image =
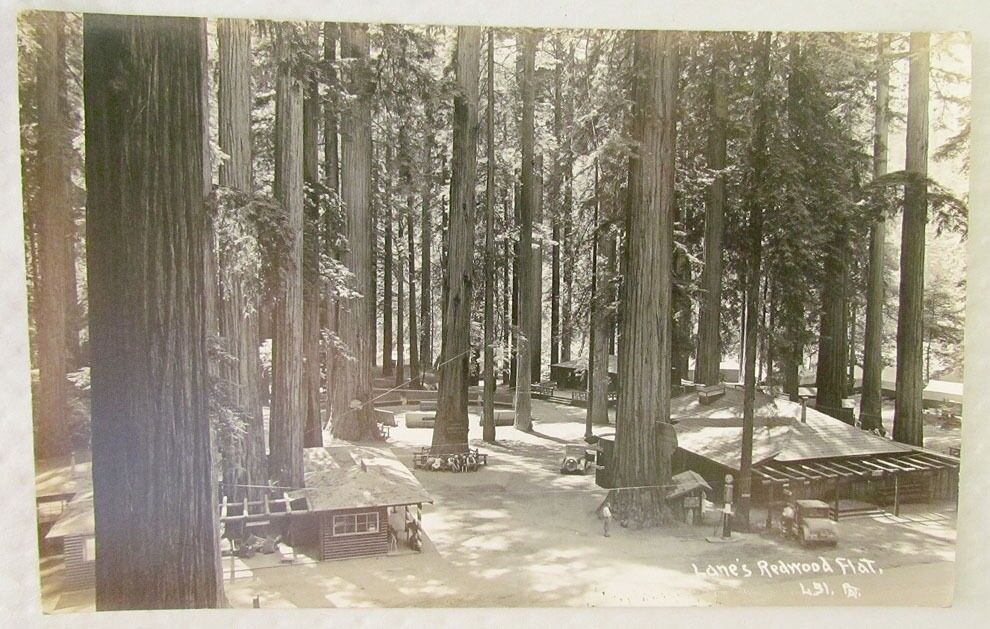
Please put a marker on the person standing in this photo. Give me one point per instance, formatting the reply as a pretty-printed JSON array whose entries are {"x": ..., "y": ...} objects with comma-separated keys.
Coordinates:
[{"x": 606, "y": 518}]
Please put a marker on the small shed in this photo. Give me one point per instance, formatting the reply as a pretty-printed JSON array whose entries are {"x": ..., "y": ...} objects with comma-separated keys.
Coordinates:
[
  {"x": 573, "y": 374},
  {"x": 350, "y": 492},
  {"x": 686, "y": 495}
]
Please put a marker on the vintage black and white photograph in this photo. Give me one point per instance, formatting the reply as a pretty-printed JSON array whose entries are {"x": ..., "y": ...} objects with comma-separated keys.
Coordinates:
[{"x": 327, "y": 314}]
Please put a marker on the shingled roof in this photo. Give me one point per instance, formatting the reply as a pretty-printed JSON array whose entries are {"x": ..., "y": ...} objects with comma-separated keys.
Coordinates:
[
  {"x": 76, "y": 519},
  {"x": 581, "y": 364},
  {"x": 714, "y": 431},
  {"x": 351, "y": 477}
]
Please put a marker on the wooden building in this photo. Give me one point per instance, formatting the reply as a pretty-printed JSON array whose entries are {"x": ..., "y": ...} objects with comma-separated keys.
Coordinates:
[
  {"x": 686, "y": 496},
  {"x": 350, "y": 492},
  {"x": 573, "y": 374},
  {"x": 57, "y": 481},
  {"x": 806, "y": 452},
  {"x": 76, "y": 529},
  {"x": 943, "y": 393}
]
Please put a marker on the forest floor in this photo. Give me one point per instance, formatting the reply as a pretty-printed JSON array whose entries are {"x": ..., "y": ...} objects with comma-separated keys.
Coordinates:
[{"x": 518, "y": 533}]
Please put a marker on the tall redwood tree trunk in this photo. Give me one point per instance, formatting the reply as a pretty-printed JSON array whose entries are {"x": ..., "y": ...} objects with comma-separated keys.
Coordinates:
[
  {"x": 356, "y": 323},
  {"x": 337, "y": 401},
  {"x": 407, "y": 182},
  {"x": 153, "y": 487},
  {"x": 536, "y": 294},
  {"x": 871, "y": 405},
  {"x": 400, "y": 305},
  {"x": 908, "y": 414},
  {"x": 425, "y": 263},
  {"x": 525, "y": 335},
  {"x": 451, "y": 426},
  {"x": 313, "y": 432},
  {"x": 710, "y": 311},
  {"x": 387, "y": 365},
  {"x": 488, "y": 412},
  {"x": 830, "y": 377},
  {"x": 643, "y": 433},
  {"x": 54, "y": 216},
  {"x": 792, "y": 291},
  {"x": 601, "y": 318},
  {"x": 239, "y": 303},
  {"x": 756, "y": 197},
  {"x": 287, "y": 419},
  {"x": 556, "y": 206},
  {"x": 508, "y": 257}
]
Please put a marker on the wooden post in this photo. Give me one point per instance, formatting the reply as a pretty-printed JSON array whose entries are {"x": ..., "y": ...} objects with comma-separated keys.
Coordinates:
[
  {"x": 897, "y": 498},
  {"x": 726, "y": 507},
  {"x": 288, "y": 521},
  {"x": 769, "y": 525},
  {"x": 836, "y": 500}
]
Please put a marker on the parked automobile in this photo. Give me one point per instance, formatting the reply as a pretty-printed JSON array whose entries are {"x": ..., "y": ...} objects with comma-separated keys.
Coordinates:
[
  {"x": 809, "y": 522},
  {"x": 577, "y": 459}
]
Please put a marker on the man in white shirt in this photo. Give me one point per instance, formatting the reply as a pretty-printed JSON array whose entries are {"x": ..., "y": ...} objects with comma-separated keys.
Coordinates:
[{"x": 606, "y": 517}]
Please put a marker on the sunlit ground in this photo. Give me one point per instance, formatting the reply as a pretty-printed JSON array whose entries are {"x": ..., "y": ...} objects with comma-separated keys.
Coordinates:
[{"x": 518, "y": 533}]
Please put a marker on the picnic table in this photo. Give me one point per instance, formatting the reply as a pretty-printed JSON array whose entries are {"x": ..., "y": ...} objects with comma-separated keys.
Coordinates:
[
  {"x": 446, "y": 453},
  {"x": 710, "y": 393},
  {"x": 544, "y": 389}
]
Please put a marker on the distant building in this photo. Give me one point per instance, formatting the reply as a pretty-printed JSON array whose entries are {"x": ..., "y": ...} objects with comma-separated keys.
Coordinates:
[
  {"x": 813, "y": 454},
  {"x": 573, "y": 374},
  {"x": 943, "y": 392},
  {"x": 946, "y": 391}
]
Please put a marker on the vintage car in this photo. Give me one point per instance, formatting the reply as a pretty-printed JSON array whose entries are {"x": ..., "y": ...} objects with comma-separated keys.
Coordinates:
[
  {"x": 577, "y": 459},
  {"x": 809, "y": 522}
]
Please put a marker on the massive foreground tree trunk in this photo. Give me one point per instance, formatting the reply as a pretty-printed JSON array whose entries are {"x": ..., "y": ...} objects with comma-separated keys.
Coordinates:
[
  {"x": 871, "y": 405},
  {"x": 239, "y": 302},
  {"x": 525, "y": 334},
  {"x": 451, "y": 426},
  {"x": 908, "y": 417},
  {"x": 356, "y": 330},
  {"x": 54, "y": 219},
  {"x": 709, "y": 316},
  {"x": 643, "y": 432},
  {"x": 153, "y": 490},
  {"x": 285, "y": 435}
]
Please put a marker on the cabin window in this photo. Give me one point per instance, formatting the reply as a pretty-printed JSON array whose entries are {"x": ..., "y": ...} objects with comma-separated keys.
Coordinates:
[
  {"x": 89, "y": 549},
  {"x": 355, "y": 523}
]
